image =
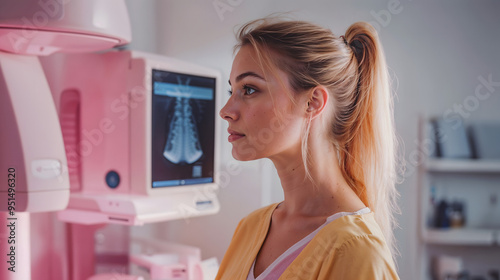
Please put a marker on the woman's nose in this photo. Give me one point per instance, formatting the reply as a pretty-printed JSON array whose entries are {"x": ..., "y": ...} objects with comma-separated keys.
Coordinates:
[{"x": 229, "y": 111}]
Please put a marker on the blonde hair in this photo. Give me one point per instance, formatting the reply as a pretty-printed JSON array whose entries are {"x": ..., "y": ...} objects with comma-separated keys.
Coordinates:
[{"x": 353, "y": 69}]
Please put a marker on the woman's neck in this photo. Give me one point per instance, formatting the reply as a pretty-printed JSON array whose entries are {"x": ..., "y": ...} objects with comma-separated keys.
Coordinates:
[{"x": 326, "y": 194}]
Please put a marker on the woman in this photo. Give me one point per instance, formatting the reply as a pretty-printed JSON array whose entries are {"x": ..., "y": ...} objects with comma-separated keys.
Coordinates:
[{"x": 320, "y": 108}]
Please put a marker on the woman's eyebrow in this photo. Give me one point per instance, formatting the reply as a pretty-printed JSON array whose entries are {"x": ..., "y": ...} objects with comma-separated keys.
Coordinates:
[{"x": 248, "y": 74}]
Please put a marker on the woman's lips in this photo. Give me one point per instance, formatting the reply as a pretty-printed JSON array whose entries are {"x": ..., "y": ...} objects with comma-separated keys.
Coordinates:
[{"x": 234, "y": 135}]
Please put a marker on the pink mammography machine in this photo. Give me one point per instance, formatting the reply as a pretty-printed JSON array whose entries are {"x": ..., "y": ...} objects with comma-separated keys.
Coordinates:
[
  {"x": 31, "y": 145},
  {"x": 112, "y": 137}
]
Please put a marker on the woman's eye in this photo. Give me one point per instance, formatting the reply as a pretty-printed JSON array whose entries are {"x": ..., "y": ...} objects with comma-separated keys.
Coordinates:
[
  {"x": 230, "y": 92},
  {"x": 248, "y": 90}
]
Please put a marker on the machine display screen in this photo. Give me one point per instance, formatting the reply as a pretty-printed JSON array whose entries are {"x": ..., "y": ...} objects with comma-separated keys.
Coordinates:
[{"x": 183, "y": 129}]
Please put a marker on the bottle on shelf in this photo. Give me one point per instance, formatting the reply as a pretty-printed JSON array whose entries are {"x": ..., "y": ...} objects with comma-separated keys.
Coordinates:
[
  {"x": 443, "y": 214},
  {"x": 457, "y": 214},
  {"x": 431, "y": 210}
]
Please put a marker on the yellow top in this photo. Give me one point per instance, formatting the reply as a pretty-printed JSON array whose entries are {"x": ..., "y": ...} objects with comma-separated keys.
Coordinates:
[{"x": 349, "y": 247}]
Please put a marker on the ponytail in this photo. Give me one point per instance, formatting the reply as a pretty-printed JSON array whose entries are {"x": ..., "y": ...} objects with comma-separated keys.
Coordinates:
[{"x": 368, "y": 153}]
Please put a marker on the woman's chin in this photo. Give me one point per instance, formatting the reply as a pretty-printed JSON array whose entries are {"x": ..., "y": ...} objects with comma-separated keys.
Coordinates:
[{"x": 244, "y": 154}]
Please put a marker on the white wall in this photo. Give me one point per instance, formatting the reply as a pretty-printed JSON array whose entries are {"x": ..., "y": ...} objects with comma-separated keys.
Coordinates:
[{"x": 436, "y": 52}]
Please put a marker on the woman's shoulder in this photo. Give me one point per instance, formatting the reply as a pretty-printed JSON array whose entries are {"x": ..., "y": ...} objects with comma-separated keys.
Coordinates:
[
  {"x": 351, "y": 229},
  {"x": 359, "y": 239},
  {"x": 349, "y": 247}
]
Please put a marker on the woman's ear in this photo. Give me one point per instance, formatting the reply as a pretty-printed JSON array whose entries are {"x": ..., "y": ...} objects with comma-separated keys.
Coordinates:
[{"x": 318, "y": 98}]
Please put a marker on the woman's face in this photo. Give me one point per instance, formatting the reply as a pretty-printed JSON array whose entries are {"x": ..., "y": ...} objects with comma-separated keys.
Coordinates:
[{"x": 263, "y": 121}]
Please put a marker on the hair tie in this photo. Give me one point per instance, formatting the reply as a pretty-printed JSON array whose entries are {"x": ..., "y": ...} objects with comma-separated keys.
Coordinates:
[{"x": 343, "y": 38}]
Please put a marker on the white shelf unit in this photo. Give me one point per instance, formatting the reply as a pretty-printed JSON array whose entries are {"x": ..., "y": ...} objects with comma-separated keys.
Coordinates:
[
  {"x": 461, "y": 236},
  {"x": 475, "y": 243},
  {"x": 463, "y": 165}
]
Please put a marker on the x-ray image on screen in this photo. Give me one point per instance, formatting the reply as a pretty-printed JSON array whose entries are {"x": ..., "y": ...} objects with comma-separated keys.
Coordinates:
[
  {"x": 183, "y": 143},
  {"x": 183, "y": 127}
]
